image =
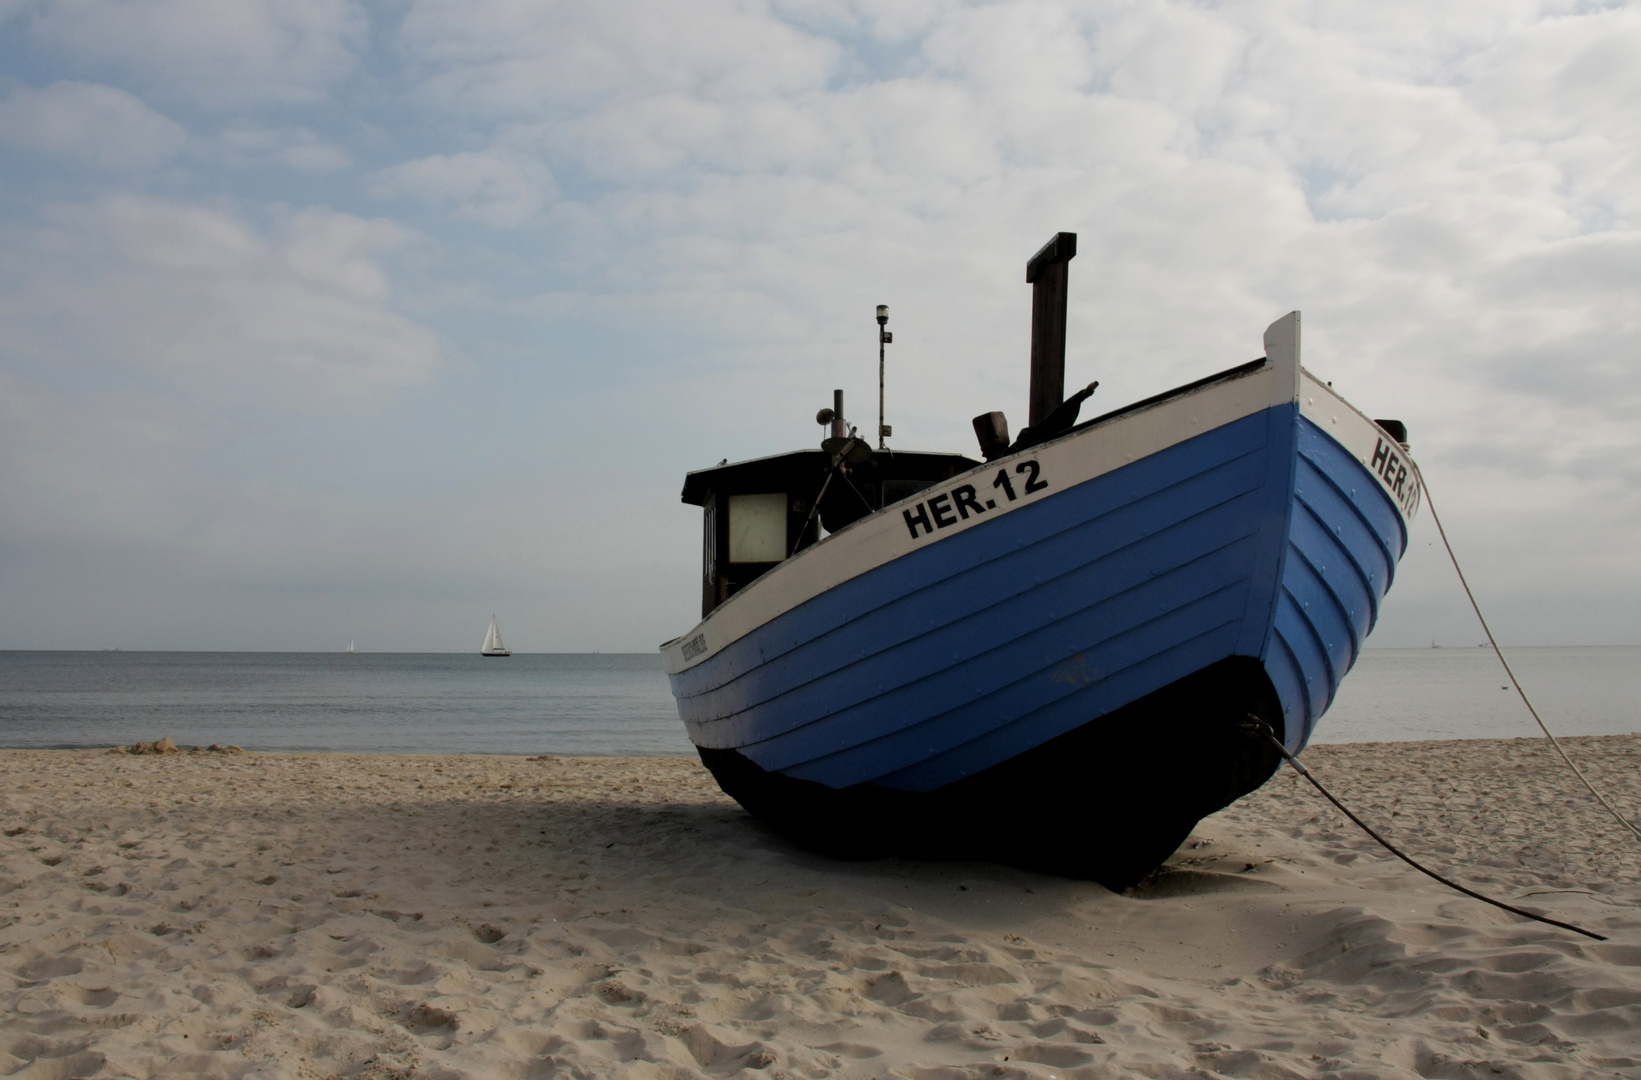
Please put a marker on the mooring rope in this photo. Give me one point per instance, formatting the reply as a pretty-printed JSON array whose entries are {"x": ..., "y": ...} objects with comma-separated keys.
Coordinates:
[
  {"x": 1618, "y": 817},
  {"x": 1259, "y": 727}
]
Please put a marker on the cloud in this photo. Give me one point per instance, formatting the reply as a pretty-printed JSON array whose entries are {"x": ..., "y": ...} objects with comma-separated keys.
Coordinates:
[
  {"x": 496, "y": 189},
  {"x": 214, "y": 54},
  {"x": 1569, "y": 87},
  {"x": 168, "y": 371},
  {"x": 525, "y": 59},
  {"x": 315, "y": 157},
  {"x": 101, "y": 126},
  {"x": 246, "y": 145},
  {"x": 295, "y": 314}
]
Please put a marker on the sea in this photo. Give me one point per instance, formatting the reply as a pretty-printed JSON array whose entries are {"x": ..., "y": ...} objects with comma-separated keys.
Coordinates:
[{"x": 605, "y": 704}]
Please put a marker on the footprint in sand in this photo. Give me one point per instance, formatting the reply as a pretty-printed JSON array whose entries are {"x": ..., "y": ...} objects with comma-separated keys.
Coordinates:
[{"x": 92, "y": 998}]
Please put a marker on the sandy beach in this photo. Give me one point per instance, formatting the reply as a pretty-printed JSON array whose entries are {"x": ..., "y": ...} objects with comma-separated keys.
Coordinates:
[{"x": 332, "y": 915}]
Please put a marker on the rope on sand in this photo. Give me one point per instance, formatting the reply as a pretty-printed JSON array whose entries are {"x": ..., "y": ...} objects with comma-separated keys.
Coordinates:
[
  {"x": 1256, "y": 726},
  {"x": 1620, "y": 818}
]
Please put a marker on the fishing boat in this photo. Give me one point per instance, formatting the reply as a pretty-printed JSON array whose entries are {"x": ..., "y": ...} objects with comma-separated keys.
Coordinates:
[
  {"x": 492, "y": 642},
  {"x": 1050, "y": 657}
]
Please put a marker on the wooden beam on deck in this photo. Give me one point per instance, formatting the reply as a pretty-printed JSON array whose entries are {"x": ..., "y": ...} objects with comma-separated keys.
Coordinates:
[{"x": 1046, "y": 273}]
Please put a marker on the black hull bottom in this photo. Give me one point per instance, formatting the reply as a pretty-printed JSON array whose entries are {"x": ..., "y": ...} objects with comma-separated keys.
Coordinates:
[{"x": 1107, "y": 802}]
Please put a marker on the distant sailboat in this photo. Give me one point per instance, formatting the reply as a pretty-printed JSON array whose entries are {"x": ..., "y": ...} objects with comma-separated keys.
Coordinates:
[
  {"x": 350, "y": 646},
  {"x": 492, "y": 642}
]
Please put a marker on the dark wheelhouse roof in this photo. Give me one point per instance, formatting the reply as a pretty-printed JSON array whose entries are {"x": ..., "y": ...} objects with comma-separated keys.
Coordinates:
[{"x": 775, "y": 473}]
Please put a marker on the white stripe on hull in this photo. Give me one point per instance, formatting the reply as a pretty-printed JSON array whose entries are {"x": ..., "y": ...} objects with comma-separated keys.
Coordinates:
[{"x": 1369, "y": 443}]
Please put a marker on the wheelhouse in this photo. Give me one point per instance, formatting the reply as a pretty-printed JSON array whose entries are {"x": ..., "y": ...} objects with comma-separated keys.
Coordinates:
[{"x": 758, "y": 513}]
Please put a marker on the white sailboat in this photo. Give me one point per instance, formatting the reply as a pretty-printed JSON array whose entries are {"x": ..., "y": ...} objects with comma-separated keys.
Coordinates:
[
  {"x": 350, "y": 645},
  {"x": 492, "y": 642}
]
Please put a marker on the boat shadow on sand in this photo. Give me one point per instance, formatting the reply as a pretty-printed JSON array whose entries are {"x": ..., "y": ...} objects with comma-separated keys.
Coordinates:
[{"x": 523, "y": 844}]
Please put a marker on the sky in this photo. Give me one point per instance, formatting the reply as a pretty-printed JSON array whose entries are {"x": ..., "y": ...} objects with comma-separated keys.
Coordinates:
[{"x": 324, "y": 320}]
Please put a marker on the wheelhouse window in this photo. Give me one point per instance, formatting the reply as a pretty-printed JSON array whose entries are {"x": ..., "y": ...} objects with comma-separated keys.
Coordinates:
[{"x": 757, "y": 528}]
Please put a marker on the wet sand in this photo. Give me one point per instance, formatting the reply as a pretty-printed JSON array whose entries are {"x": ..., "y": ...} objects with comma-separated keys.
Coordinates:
[{"x": 320, "y": 915}]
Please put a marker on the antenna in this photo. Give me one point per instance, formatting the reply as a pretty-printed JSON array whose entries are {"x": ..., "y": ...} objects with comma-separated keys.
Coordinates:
[{"x": 884, "y": 337}]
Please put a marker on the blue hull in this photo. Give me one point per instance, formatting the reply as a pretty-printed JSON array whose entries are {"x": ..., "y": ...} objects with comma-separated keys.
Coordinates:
[
  {"x": 1263, "y": 538},
  {"x": 1142, "y": 613}
]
